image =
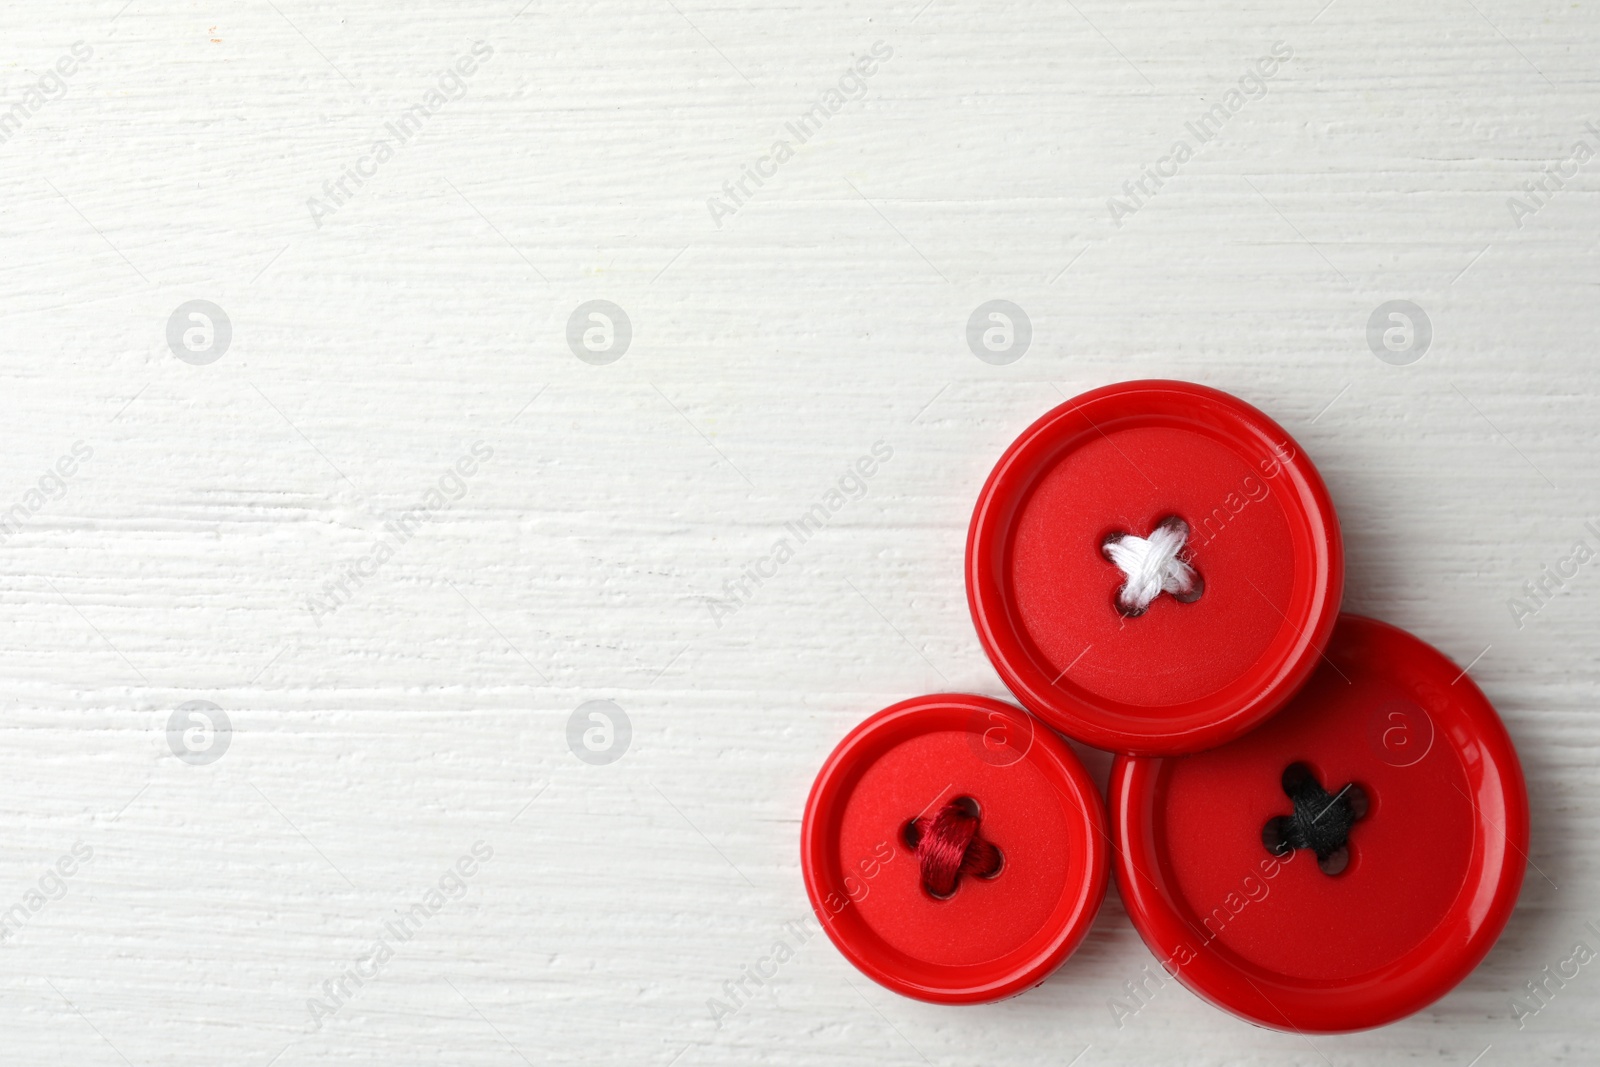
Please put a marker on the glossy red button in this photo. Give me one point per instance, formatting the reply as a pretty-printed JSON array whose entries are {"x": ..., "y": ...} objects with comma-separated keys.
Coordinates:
[
  {"x": 1432, "y": 864},
  {"x": 993, "y": 936},
  {"x": 1262, "y": 537}
]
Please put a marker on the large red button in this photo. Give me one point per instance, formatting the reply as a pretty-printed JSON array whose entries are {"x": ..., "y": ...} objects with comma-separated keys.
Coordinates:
[
  {"x": 1032, "y": 824},
  {"x": 1342, "y": 866},
  {"x": 1251, "y": 595}
]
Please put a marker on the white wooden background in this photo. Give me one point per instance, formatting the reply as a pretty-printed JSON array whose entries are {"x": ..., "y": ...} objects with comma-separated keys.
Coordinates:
[{"x": 372, "y": 746}]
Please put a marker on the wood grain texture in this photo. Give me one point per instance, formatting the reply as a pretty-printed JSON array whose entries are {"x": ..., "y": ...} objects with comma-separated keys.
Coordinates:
[{"x": 374, "y": 345}]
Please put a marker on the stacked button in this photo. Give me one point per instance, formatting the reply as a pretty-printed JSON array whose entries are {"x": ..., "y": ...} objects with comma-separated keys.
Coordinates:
[
  {"x": 1252, "y": 591},
  {"x": 954, "y": 849},
  {"x": 1319, "y": 821},
  {"x": 1343, "y": 865}
]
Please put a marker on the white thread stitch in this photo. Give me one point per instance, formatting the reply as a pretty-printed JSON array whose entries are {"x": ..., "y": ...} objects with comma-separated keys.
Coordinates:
[{"x": 1152, "y": 566}]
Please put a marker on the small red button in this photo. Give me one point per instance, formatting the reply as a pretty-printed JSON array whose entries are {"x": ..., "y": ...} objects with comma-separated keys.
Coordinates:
[
  {"x": 1008, "y": 791},
  {"x": 1342, "y": 866},
  {"x": 1237, "y": 617}
]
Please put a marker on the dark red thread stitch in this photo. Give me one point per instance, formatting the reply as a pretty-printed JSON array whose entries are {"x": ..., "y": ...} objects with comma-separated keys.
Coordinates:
[{"x": 948, "y": 846}]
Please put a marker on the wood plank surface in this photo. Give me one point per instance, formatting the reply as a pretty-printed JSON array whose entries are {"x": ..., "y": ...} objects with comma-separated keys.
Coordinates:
[{"x": 395, "y": 533}]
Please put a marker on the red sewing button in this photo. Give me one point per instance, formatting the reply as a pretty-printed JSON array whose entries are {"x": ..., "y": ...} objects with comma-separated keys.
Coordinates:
[
  {"x": 961, "y": 773},
  {"x": 1243, "y": 567},
  {"x": 1345, "y": 864}
]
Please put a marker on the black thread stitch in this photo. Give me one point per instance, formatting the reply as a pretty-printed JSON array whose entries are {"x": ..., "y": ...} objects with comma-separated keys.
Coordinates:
[{"x": 1320, "y": 822}]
